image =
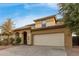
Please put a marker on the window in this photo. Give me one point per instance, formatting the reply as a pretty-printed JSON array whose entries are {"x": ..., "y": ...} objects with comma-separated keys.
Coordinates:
[
  {"x": 43, "y": 24},
  {"x": 17, "y": 34},
  {"x": 33, "y": 26}
]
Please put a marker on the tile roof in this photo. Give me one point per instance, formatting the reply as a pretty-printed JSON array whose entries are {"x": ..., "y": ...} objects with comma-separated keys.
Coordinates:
[
  {"x": 21, "y": 28},
  {"x": 50, "y": 27},
  {"x": 44, "y": 18}
]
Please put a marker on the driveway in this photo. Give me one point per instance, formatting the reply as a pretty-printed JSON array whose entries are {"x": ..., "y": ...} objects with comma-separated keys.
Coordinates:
[
  {"x": 24, "y": 50},
  {"x": 73, "y": 52}
]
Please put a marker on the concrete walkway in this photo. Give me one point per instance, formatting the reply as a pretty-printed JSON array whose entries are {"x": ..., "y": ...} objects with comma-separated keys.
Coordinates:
[{"x": 24, "y": 50}]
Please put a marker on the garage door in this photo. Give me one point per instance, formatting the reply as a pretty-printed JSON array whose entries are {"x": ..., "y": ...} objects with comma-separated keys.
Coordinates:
[{"x": 49, "y": 39}]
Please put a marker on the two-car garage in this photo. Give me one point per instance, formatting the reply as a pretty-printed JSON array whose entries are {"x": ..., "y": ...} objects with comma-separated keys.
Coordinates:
[
  {"x": 56, "y": 39},
  {"x": 57, "y": 36}
]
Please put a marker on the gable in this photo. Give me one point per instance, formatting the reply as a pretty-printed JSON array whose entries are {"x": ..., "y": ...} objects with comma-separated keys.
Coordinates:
[{"x": 48, "y": 20}]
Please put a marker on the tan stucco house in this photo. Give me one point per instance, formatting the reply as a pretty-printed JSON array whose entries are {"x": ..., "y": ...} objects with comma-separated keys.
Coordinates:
[{"x": 45, "y": 31}]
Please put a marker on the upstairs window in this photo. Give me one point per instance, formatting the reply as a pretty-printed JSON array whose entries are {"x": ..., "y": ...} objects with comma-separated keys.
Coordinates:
[
  {"x": 43, "y": 24},
  {"x": 17, "y": 34},
  {"x": 33, "y": 26}
]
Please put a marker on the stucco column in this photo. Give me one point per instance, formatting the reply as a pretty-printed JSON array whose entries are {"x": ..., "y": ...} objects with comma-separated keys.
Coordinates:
[
  {"x": 21, "y": 36},
  {"x": 29, "y": 39},
  {"x": 14, "y": 36},
  {"x": 68, "y": 39}
]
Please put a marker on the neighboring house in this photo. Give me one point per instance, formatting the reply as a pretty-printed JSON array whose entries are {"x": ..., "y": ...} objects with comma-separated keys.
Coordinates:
[{"x": 45, "y": 32}]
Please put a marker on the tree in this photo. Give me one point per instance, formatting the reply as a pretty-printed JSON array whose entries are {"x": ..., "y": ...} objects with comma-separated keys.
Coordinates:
[
  {"x": 7, "y": 28},
  {"x": 70, "y": 13}
]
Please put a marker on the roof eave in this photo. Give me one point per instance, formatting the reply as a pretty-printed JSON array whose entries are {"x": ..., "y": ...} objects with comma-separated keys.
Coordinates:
[
  {"x": 50, "y": 27},
  {"x": 44, "y": 18}
]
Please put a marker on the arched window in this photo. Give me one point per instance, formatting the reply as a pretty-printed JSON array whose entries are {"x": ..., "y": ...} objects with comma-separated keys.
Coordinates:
[{"x": 17, "y": 34}]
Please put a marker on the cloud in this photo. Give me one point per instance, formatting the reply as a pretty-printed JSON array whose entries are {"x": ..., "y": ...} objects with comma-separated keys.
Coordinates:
[
  {"x": 59, "y": 16},
  {"x": 8, "y": 4},
  {"x": 25, "y": 20},
  {"x": 52, "y": 5},
  {"x": 22, "y": 21},
  {"x": 29, "y": 5},
  {"x": 49, "y": 5}
]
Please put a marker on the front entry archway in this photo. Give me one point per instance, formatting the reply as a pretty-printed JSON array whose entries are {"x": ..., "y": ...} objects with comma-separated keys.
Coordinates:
[{"x": 25, "y": 37}]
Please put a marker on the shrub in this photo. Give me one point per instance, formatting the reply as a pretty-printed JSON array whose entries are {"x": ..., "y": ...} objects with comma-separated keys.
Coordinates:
[
  {"x": 12, "y": 40},
  {"x": 5, "y": 42},
  {"x": 18, "y": 40},
  {"x": 0, "y": 42}
]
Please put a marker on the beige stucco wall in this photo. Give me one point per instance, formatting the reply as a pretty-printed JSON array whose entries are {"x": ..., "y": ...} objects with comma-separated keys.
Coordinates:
[
  {"x": 38, "y": 24},
  {"x": 28, "y": 36},
  {"x": 49, "y": 22},
  {"x": 31, "y": 33},
  {"x": 68, "y": 38}
]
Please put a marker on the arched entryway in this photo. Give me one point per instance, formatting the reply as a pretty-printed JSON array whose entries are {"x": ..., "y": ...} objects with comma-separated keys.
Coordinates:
[{"x": 25, "y": 37}]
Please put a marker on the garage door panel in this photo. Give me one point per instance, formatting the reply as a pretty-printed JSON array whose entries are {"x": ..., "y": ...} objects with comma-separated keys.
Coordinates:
[{"x": 49, "y": 39}]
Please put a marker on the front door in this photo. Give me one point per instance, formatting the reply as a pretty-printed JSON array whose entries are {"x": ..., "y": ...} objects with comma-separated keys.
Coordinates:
[{"x": 25, "y": 37}]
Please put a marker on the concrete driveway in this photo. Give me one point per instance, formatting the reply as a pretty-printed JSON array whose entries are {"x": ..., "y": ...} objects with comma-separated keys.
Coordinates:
[
  {"x": 24, "y": 50},
  {"x": 73, "y": 52}
]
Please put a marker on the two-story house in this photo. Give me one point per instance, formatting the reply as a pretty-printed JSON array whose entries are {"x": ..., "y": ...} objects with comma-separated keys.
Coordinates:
[{"x": 45, "y": 32}]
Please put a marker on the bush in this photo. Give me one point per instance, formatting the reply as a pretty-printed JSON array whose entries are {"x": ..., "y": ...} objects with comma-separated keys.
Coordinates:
[
  {"x": 18, "y": 40},
  {"x": 12, "y": 41},
  {"x": 5, "y": 42},
  {"x": 0, "y": 42}
]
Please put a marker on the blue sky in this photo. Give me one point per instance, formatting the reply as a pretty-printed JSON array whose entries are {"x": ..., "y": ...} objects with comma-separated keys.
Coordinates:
[{"x": 23, "y": 14}]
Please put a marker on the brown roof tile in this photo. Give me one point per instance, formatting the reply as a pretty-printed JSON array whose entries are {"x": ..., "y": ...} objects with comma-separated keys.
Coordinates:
[
  {"x": 44, "y": 18},
  {"x": 50, "y": 27}
]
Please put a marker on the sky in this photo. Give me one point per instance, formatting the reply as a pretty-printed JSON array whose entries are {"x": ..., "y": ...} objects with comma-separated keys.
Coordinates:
[{"x": 23, "y": 14}]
